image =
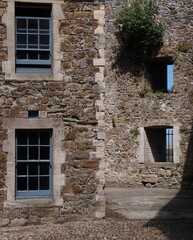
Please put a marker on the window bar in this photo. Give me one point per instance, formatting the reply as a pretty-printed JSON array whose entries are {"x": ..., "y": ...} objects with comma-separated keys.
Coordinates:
[
  {"x": 169, "y": 145},
  {"x": 38, "y": 21}
]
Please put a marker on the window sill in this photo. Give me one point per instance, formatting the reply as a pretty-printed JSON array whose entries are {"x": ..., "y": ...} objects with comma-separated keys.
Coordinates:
[
  {"x": 35, "y": 76},
  {"x": 46, "y": 202},
  {"x": 162, "y": 164}
]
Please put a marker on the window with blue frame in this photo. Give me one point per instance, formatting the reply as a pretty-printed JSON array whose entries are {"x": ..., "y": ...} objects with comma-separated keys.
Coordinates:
[
  {"x": 33, "y": 163},
  {"x": 33, "y": 38}
]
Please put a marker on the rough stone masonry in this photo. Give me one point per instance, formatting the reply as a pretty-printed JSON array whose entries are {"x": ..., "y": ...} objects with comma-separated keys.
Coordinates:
[{"x": 99, "y": 111}]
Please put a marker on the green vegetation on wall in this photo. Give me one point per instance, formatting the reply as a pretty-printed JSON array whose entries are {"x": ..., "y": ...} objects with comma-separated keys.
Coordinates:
[{"x": 139, "y": 27}]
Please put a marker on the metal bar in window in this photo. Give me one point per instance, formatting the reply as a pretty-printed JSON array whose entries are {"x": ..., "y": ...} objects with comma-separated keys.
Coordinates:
[{"x": 169, "y": 145}]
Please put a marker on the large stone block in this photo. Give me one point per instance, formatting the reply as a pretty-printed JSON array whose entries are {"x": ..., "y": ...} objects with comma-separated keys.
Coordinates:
[
  {"x": 90, "y": 163},
  {"x": 151, "y": 178}
]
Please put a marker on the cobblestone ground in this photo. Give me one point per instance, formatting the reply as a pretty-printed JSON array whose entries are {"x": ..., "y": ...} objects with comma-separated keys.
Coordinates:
[{"x": 104, "y": 230}]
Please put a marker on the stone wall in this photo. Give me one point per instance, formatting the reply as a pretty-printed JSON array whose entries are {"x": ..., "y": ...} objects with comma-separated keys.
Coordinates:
[
  {"x": 76, "y": 101},
  {"x": 128, "y": 109},
  {"x": 103, "y": 101}
]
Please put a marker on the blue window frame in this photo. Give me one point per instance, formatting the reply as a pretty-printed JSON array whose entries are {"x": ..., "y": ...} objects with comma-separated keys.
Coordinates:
[
  {"x": 33, "y": 163},
  {"x": 33, "y": 38},
  {"x": 170, "y": 77}
]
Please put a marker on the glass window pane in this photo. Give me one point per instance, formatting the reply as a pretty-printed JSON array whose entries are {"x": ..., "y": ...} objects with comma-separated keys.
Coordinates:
[
  {"x": 44, "y": 24},
  {"x": 21, "y": 23},
  {"x": 44, "y": 55},
  {"x": 44, "y": 183},
  {"x": 33, "y": 41},
  {"x": 21, "y": 183},
  {"x": 21, "y": 169},
  {"x": 21, "y": 55},
  {"x": 33, "y": 153},
  {"x": 21, "y": 153},
  {"x": 21, "y": 40},
  {"x": 45, "y": 138},
  {"x": 44, "y": 168},
  {"x": 33, "y": 55},
  {"x": 44, "y": 153},
  {"x": 22, "y": 138},
  {"x": 33, "y": 138},
  {"x": 33, "y": 25},
  {"x": 33, "y": 168},
  {"x": 33, "y": 183},
  {"x": 44, "y": 40}
]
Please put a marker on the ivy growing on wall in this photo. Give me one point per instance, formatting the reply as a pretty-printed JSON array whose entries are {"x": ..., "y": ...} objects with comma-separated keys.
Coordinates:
[{"x": 139, "y": 27}]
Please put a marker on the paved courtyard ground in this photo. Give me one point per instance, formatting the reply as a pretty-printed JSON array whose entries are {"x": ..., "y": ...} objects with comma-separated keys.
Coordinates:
[{"x": 131, "y": 214}]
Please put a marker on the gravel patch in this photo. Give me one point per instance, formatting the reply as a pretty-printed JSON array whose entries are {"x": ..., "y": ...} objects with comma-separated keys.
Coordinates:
[{"x": 104, "y": 230}]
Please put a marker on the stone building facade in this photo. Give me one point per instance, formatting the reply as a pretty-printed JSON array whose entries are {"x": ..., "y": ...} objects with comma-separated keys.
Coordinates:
[
  {"x": 65, "y": 178},
  {"x": 75, "y": 117},
  {"x": 138, "y": 112}
]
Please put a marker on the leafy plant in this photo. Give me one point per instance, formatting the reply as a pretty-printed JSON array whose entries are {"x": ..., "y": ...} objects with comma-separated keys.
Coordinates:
[
  {"x": 139, "y": 28},
  {"x": 183, "y": 47}
]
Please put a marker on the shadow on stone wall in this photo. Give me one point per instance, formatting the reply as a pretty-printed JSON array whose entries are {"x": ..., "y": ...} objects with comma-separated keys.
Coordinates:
[
  {"x": 180, "y": 207},
  {"x": 128, "y": 61}
]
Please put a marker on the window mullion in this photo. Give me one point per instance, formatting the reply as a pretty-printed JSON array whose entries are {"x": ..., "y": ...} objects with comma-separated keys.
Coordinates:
[
  {"x": 27, "y": 161},
  {"x": 16, "y": 154},
  {"x": 50, "y": 163},
  {"x": 39, "y": 161},
  {"x": 38, "y": 38},
  {"x": 27, "y": 37}
]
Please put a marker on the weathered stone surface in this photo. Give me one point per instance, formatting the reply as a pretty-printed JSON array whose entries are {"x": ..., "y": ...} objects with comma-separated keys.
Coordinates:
[
  {"x": 81, "y": 154},
  {"x": 18, "y": 222},
  {"x": 152, "y": 178},
  {"x": 125, "y": 109},
  {"x": 71, "y": 136},
  {"x": 70, "y": 99},
  {"x": 90, "y": 163},
  {"x": 5, "y": 222}
]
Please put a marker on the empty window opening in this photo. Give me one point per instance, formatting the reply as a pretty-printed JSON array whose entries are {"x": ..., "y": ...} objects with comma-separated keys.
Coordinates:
[
  {"x": 161, "y": 74},
  {"x": 33, "y": 163},
  {"x": 159, "y": 144},
  {"x": 33, "y": 38},
  {"x": 33, "y": 114}
]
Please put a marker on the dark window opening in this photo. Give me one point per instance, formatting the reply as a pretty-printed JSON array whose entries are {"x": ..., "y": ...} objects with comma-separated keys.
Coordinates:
[
  {"x": 160, "y": 74},
  {"x": 159, "y": 144},
  {"x": 33, "y": 38},
  {"x": 33, "y": 163},
  {"x": 33, "y": 114}
]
